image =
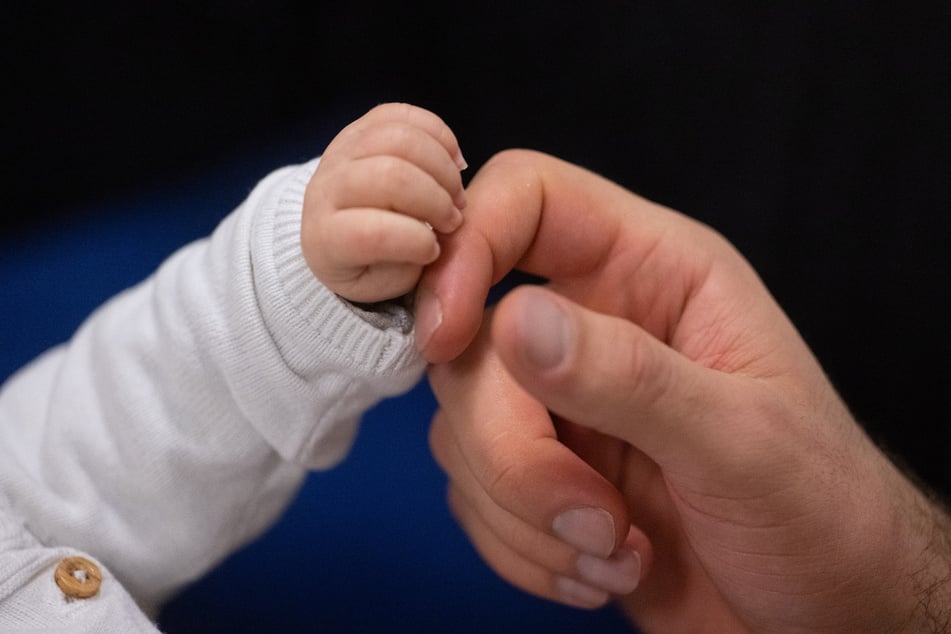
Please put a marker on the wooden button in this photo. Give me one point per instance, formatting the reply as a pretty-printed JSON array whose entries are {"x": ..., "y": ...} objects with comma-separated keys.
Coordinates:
[{"x": 78, "y": 578}]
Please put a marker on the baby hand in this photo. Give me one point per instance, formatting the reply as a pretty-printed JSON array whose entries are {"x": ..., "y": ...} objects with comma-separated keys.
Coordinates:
[{"x": 383, "y": 188}]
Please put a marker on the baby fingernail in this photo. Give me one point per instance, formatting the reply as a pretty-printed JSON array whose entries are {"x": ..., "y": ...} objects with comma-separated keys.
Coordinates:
[
  {"x": 460, "y": 160},
  {"x": 580, "y": 595},
  {"x": 619, "y": 574},
  {"x": 590, "y": 530}
]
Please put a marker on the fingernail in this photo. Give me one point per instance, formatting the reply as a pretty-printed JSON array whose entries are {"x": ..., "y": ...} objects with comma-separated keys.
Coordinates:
[
  {"x": 579, "y": 595},
  {"x": 460, "y": 160},
  {"x": 590, "y": 530},
  {"x": 545, "y": 333},
  {"x": 428, "y": 317},
  {"x": 618, "y": 574}
]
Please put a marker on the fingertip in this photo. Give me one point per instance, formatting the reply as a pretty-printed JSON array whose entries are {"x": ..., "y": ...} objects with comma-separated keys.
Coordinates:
[
  {"x": 439, "y": 342},
  {"x": 429, "y": 318},
  {"x": 451, "y": 299},
  {"x": 460, "y": 160},
  {"x": 459, "y": 198},
  {"x": 434, "y": 252},
  {"x": 455, "y": 220},
  {"x": 576, "y": 594},
  {"x": 618, "y": 574},
  {"x": 533, "y": 330},
  {"x": 637, "y": 542},
  {"x": 443, "y": 329},
  {"x": 589, "y": 529}
]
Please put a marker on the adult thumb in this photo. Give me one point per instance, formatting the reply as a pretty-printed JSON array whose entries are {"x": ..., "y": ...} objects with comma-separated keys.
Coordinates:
[{"x": 608, "y": 374}]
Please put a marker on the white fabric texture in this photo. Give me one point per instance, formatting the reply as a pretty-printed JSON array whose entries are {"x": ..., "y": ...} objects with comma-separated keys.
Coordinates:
[{"x": 181, "y": 418}]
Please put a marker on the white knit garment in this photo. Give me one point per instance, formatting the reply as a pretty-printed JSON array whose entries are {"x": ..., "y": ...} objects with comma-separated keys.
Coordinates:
[{"x": 180, "y": 420}]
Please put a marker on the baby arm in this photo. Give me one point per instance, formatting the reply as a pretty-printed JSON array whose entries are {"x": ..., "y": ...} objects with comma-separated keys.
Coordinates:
[
  {"x": 382, "y": 190},
  {"x": 178, "y": 422}
]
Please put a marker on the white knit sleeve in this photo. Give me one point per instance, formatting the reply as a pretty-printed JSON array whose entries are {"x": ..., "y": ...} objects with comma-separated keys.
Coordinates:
[
  {"x": 334, "y": 364},
  {"x": 181, "y": 418}
]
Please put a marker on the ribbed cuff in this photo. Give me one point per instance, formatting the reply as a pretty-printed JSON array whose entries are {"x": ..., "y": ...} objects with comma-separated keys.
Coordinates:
[{"x": 379, "y": 340}]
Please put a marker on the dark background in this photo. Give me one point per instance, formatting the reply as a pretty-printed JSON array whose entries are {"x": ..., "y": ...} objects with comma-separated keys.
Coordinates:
[{"x": 813, "y": 135}]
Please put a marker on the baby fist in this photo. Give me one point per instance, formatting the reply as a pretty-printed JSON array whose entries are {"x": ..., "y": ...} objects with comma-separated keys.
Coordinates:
[{"x": 383, "y": 188}]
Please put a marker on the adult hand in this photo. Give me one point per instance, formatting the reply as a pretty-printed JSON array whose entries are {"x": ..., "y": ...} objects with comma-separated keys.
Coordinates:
[{"x": 656, "y": 358}]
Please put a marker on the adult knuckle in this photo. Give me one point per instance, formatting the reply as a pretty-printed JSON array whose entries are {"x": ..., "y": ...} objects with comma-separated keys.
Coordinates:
[
  {"x": 635, "y": 369},
  {"x": 502, "y": 480},
  {"x": 504, "y": 474}
]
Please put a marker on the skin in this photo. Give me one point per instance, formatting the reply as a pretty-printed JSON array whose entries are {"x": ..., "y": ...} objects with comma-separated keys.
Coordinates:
[
  {"x": 382, "y": 187},
  {"x": 656, "y": 382}
]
